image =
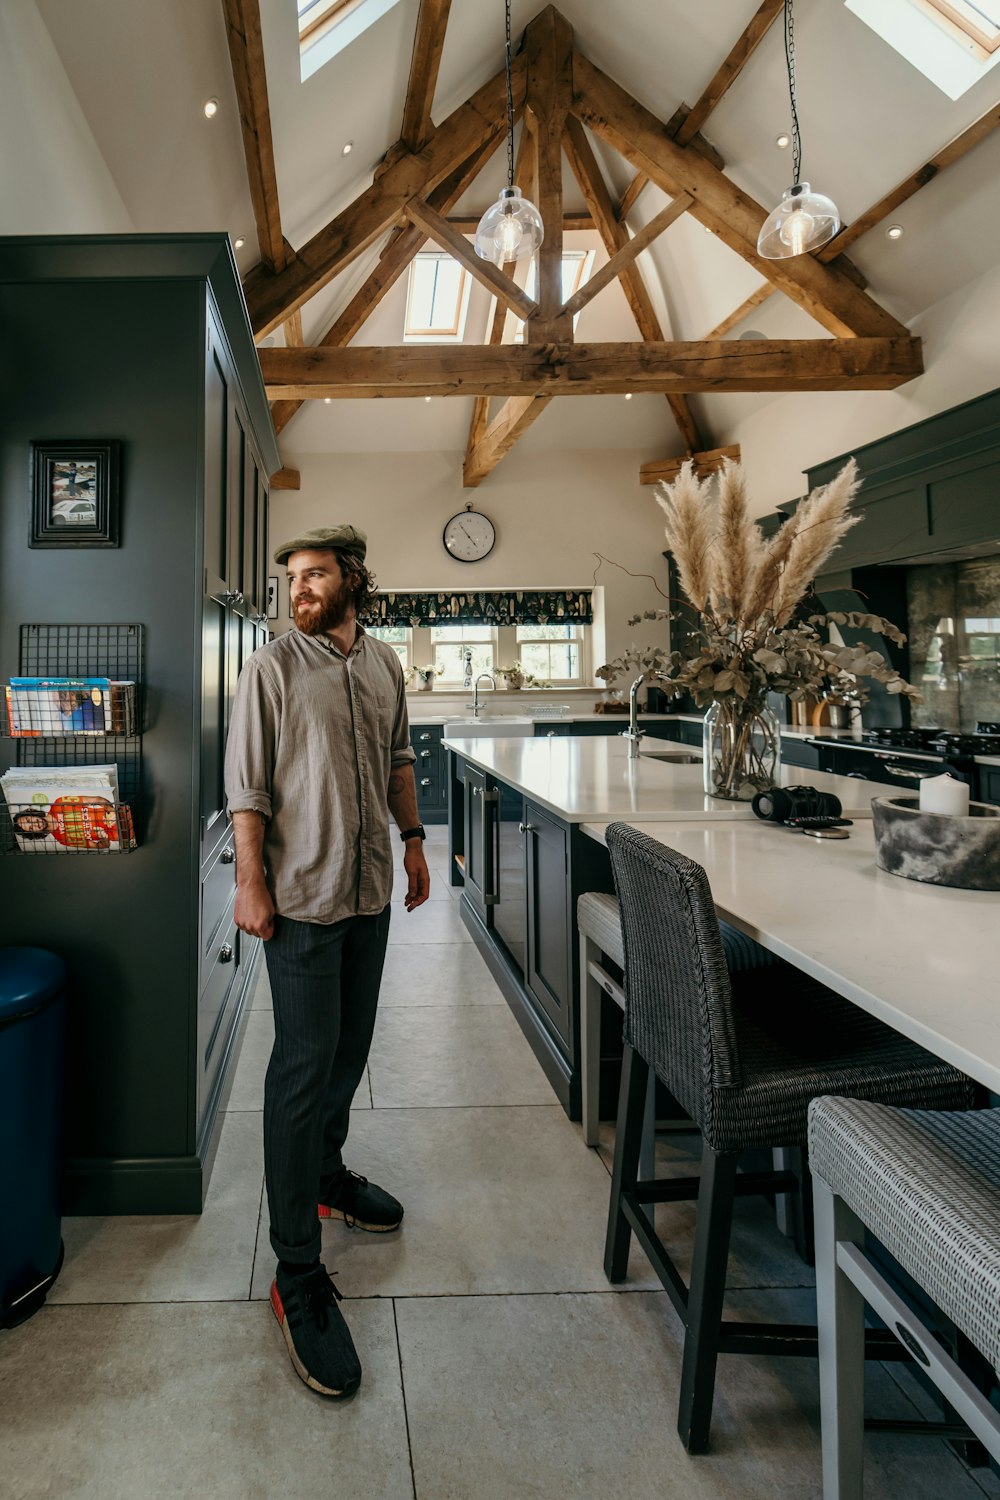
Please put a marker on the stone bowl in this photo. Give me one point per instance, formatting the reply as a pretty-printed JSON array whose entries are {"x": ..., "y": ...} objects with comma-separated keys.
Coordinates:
[{"x": 935, "y": 847}]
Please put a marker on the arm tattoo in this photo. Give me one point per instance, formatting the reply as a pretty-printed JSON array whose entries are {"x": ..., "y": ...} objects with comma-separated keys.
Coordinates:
[{"x": 396, "y": 784}]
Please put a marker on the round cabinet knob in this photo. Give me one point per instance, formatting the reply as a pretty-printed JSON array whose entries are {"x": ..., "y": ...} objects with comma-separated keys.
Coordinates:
[
  {"x": 550, "y": 734},
  {"x": 426, "y": 754},
  {"x": 476, "y": 790},
  {"x": 526, "y": 828},
  {"x": 425, "y": 781},
  {"x": 227, "y": 856},
  {"x": 225, "y": 954},
  {"x": 424, "y": 736}
]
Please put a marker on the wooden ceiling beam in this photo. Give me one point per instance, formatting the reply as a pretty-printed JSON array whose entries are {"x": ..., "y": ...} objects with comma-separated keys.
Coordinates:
[
  {"x": 567, "y": 369},
  {"x": 286, "y": 479},
  {"x": 490, "y": 276},
  {"x": 625, "y": 257},
  {"x": 573, "y": 222},
  {"x": 631, "y": 195},
  {"x": 587, "y": 171},
  {"x": 949, "y": 154},
  {"x": 739, "y": 313},
  {"x": 394, "y": 260},
  {"x": 481, "y": 120},
  {"x": 548, "y": 50},
  {"x": 514, "y": 418},
  {"x": 823, "y": 291},
  {"x": 246, "y": 56},
  {"x": 666, "y": 470},
  {"x": 428, "y": 44},
  {"x": 743, "y": 48}
]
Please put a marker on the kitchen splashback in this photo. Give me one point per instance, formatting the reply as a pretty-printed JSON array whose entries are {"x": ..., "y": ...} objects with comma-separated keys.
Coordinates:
[{"x": 953, "y": 613}]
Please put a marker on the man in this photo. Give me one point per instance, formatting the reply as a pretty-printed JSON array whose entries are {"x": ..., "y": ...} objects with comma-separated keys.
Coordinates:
[{"x": 318, "y": 756}]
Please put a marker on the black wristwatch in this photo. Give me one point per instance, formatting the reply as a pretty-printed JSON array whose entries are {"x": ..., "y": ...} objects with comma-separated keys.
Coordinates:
[{"x": 413, "y": 833}]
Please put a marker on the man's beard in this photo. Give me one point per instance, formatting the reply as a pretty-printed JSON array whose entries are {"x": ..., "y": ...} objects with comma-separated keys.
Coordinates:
[{"x": 329, "y": 617}]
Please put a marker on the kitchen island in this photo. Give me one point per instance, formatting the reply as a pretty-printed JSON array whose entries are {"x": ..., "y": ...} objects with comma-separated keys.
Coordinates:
[{"x": 519, "y": 850}]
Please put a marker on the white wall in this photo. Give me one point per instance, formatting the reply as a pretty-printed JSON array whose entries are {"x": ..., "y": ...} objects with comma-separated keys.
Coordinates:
[
  {"x": 796, "y": 432},
  {"x": 53, "y": 178},
  {"x": 552, "y": 513}
]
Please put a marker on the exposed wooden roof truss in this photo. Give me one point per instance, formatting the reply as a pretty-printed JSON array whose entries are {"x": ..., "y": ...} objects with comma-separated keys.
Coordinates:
[{"x": 563, "y": 99}]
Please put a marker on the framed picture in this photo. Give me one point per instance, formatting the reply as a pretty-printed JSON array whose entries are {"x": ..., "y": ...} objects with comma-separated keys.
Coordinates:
[
  {"x": 74, "y": 493},
  {"x": 272, "y": 598}
]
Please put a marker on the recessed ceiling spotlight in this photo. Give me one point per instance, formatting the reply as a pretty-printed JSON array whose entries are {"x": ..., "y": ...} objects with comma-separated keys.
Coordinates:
[
  {"x": 894, "y": 232},
  {"x": 347, "y": 148},
  {"x": 782, "y": 141},
  {"x": 211, "y": 108},
  {"x": 427, "y": 398},
  {"x": 239, "y": 242},
  {"x": 327, "y": 400},
  {"x": 628, "y": 395}
]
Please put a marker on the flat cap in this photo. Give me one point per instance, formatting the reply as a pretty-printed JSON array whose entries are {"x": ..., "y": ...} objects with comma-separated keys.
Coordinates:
[{"x": 343, "y": 538}]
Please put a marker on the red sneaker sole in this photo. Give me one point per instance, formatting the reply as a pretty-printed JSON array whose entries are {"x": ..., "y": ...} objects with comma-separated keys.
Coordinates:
[{"x": 277, "y": 1307}]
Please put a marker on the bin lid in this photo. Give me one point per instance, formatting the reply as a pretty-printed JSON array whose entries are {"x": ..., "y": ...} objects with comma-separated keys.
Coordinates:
[{"x": 28, "y": 978}]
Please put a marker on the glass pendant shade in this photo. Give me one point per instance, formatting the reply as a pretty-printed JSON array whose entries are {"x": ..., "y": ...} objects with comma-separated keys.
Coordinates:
[
  {"x": 510, "y": 230},
  {"x": 802, "y": 221}
]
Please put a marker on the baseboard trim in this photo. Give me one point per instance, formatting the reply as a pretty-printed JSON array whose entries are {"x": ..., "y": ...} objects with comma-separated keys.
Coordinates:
[{"x": 133, "y": 1185}]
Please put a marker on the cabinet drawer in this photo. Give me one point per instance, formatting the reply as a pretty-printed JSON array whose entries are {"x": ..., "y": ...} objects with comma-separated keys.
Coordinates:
[
  {"x": 426, "y": 734},
  {"x": 220, "y": 975},
  {"x": 217, "y": 889}
]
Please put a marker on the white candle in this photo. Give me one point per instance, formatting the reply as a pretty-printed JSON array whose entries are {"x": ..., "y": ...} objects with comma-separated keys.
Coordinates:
[{"x": 943, "y": 794}]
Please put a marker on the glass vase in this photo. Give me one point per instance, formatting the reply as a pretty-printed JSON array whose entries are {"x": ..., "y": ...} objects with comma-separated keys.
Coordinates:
[{"x": 742, "y": 740}]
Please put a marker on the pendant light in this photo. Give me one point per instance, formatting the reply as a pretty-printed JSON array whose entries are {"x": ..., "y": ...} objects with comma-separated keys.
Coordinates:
[
  {"x": 803, "y": 220},
  {"x": 512, "y": 229}
]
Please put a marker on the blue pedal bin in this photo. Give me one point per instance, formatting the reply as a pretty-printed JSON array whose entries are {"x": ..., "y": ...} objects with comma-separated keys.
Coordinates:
[{"x": 32, "y": 1058}]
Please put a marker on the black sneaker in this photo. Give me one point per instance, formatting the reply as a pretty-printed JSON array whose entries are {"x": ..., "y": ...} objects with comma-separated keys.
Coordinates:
[
  {"x": 319, "y": 1341},
  {"x": 360, "y": 1203}
]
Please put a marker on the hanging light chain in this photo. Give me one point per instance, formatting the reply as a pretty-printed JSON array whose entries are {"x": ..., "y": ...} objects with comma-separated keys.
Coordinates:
[
  {"x": 510, "y": 99},
  {"x": 790, "y": 66}
]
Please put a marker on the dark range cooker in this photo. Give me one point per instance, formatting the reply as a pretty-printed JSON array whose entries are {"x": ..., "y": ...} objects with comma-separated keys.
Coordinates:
[{"x": 904, "y": 757}]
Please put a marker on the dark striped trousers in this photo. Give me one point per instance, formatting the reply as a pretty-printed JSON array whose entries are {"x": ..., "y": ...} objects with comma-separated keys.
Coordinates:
[{"x": 324, "y": 984}]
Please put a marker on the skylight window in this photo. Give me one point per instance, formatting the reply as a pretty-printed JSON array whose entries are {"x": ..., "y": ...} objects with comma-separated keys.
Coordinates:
[
  {"x": 576, "y": 266},
  {"x": 952, "y": 42},
  {"x": 326, "y": 27},
  {"x": 437, "y": 299}
]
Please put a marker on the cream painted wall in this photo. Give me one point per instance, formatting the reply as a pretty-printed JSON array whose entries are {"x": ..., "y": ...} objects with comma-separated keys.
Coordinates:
[
  {"x": 53, "y": 178},
  {"x": 796, "y": 432},
  {"x": 552, "y": 513}
]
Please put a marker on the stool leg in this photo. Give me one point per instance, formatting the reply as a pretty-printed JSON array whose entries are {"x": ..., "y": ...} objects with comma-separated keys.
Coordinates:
[
  {"x": 705, "y": 1297},
  {"x": 624, "y": 1173},
  {"x": 840, "y": 1317},
  {"x": 647, "y": 1152},
  {"x": 590, "y": 1042}
]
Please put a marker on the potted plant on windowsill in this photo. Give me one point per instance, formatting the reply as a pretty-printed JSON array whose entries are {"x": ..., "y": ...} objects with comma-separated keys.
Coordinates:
[
  {"x": 752, "y": 634},
  {"x": 422, "y": 676}
]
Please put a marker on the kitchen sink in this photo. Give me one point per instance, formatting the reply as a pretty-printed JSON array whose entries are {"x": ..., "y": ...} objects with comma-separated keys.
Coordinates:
[
  {"x": 675, "y": 757},
  {"x": 501, "y": 725}
]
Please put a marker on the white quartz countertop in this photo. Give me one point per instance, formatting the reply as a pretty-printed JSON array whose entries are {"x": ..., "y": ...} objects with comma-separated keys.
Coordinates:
[
  {"x": 585, "y": 778},
  {"x": 924, "y": 958}
]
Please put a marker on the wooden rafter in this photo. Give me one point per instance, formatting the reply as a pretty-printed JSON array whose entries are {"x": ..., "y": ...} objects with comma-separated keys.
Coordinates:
[
  {"x": 666, "y": 470},
  {"x": 730, "y": 70},
  {"x": 428, "y": 44},
  {"x": 592, "y": 369},
  {"x": 615, "y": 236},
  {"x": 949, "y": 154},
  {"x": 246, "y": 55},
  {"x": 514, "y": 418},
  {"x": 477, "y": 122},
  {"x": 395, "y": 258},
  {"x": 490, "y": 276},
  {"x": 823, "y": 291},
  {"x": 286, "y": 479},
  {"x": 630, "y": 197},
  {"x": 624, "y": 257},
  {"x": 548, "y": 47},
  {"x": 739, "y": 313},
  {"x": 573, "y": 222}
]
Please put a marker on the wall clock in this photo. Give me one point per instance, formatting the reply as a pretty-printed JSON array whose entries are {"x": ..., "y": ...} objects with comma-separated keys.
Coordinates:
[{"x": 469, "y": 536}]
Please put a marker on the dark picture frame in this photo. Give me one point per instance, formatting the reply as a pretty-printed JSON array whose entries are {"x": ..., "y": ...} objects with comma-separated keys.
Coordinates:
[
  {"x": 272, "y": 596},
  {"x": 75, "y": 493}
]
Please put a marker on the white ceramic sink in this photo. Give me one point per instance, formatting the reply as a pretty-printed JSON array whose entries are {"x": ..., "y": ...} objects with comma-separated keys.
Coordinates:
[{"x": 502, "y": 725}]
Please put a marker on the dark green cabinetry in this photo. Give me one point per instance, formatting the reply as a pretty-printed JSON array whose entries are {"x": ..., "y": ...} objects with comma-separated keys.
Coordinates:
[
  {"x": 989, "y": 782},
  {"x": 549, "y": 920},
  {"x": 158, "y": 973},
  {"x": 429, "y": 772}
]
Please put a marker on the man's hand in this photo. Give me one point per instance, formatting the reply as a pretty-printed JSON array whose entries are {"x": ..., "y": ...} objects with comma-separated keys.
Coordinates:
[
  {"x": 254, "y": 909},
  {"x": 418, "y": 876}
]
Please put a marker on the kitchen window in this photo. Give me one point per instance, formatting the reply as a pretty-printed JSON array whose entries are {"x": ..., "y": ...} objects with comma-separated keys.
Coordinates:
[{"x": 555, "y": 653}]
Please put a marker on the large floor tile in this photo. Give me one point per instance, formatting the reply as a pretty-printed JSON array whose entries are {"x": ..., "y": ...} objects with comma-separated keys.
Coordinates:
[
  {"x": 192, "y": 1403},
  {"x": 437, "y": 1055},
  {"x": 248, "y": 1085},
  {"x": 575, "y": 1396},
  {"x": 175, "y": 1258},
  {"x": 438, "y": 974},
  {"x": 434, "y": 922}
]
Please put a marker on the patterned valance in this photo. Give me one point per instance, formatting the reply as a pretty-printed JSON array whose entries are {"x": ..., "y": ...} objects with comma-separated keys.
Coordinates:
[{"x": 485, "y": 607}]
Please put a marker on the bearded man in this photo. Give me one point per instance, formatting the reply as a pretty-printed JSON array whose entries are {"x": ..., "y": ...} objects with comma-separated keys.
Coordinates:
[{"x": 318, "y": 755}]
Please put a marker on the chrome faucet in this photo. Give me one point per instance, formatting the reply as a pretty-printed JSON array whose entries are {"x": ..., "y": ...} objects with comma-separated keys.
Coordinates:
[
  {"x": 475, "y": 691},
  {"x": 633, "y": 733}
]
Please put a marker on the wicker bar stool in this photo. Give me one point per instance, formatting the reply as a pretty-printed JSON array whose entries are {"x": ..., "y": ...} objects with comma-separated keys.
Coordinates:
[
  {"x": 745, "y": 1074},
  {"x": 927, "y": 1186}
]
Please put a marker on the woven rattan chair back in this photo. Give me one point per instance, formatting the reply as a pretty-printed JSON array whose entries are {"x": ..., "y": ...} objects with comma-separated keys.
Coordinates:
[{"x": 678, "y": 1001}]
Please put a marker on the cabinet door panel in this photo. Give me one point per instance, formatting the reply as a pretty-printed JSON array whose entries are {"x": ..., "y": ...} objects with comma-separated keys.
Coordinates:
[
  {"x": 216, "y": 470},
  {"x": 547, "y": 976},
  {"x": 237, "y": 460},
  {"x": 216, "y": 1005},
  {"x": 252, "y": 502}
]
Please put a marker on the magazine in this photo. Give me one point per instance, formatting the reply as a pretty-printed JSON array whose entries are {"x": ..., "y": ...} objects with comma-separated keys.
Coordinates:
[
  {"x": 67, "y": 809},
  {"x": 69, "y": 706}
]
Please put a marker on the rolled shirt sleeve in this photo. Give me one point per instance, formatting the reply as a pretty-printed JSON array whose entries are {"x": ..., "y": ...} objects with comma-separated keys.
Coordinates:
[
  {"x": 401, "y": 751},
  {"x": 253, "y": 734}
]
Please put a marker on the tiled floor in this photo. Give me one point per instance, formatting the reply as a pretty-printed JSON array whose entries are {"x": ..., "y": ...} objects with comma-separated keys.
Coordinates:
[{"x": 498, "y": 1362}]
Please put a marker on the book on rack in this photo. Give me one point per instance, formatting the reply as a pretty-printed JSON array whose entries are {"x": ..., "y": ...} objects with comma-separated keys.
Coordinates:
[
  {"x": 69, "y": 706},
  {"x": 67, "y": 809}
]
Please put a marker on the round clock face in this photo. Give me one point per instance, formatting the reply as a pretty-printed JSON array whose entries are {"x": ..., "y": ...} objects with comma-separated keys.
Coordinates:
[{"x": 469, "y": 536}]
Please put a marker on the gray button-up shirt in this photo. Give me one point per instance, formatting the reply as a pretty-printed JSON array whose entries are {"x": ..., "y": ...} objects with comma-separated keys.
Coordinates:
[{"x": 311, "y": 742}]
